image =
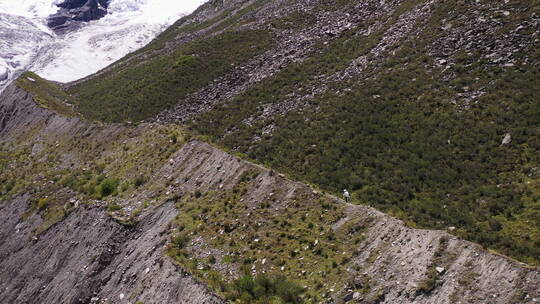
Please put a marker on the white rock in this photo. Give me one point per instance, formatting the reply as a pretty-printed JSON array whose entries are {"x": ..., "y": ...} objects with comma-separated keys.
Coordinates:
[
  {"x": 507, "y": 139},
  {"x": 439, "y": 269},
  {"x": 121, "y": 296}
]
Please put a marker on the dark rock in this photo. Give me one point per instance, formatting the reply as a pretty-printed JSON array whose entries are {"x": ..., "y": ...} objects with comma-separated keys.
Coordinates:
[
  {"x": 74, "y": 11},
  {"x": 71, "y": 4},
  {"x": 348, "y": 297}
]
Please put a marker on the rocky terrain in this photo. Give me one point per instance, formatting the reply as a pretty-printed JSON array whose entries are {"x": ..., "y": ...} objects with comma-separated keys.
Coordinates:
[
  {"x": 91, "y": 258},
  {"x": 206, "y": 167},
  {"x": 370, "y": 96},
  {"x": 94, "y": 253}
]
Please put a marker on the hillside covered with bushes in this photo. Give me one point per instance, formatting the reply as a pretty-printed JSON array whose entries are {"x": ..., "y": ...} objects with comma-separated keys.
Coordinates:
[
  {"x": 427, "y": 110},
  {"x": 209, "y": 166}
]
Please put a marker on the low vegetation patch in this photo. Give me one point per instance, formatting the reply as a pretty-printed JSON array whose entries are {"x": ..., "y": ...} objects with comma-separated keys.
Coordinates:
[
  {"x": 265, "y": 289},
  {"x": 148, "y": 88},
  {"x": 67, "y": 171},
  {"x": 403, "y": 139},
  {"x": 293, "y": 238},
  {"x": 46, "y": 94}
]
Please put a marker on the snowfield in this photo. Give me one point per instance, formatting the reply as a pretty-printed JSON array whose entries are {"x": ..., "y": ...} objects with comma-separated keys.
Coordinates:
[{"x": 26, "y": 43}]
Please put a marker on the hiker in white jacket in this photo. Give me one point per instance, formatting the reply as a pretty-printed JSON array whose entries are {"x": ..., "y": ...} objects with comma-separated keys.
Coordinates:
[{"x": 346, "y": 195}]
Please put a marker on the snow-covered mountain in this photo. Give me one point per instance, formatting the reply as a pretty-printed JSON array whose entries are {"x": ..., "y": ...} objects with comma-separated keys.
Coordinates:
[{"x": 27, "y": 43}]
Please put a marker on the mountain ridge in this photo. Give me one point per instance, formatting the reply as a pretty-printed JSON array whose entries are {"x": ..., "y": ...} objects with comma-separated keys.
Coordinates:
[
  {"x": 385, "y": 261},
  {"x": 455, "y": 78},
  {"x": 424, "y": 110}
]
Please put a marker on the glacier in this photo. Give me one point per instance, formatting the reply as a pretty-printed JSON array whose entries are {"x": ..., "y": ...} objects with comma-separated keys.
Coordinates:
[{"x": 26, "y": 43}]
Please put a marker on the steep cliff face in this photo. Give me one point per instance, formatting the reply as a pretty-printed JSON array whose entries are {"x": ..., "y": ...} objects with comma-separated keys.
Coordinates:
[{"x": 66, "y": 238}]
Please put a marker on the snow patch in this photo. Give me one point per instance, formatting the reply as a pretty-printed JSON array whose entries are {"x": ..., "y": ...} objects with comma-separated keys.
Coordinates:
[{"x": 28, "y": 44}]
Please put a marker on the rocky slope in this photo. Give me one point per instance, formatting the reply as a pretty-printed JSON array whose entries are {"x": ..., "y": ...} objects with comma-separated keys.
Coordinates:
[
  {"x": 65, "y": 239},
  {"x": 427, "y": 110},
  {"x": 91, "y": 258},
  {"x": 82, "y": 254}
]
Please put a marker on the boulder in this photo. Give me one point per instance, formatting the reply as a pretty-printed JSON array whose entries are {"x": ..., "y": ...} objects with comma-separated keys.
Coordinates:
[
  {"x": 73, "y": 11},
  {"x": 348, "y": 297},
  {"x": 507, "y": 139}
]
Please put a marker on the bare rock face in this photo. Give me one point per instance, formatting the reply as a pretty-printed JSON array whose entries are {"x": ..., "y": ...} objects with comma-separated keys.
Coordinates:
[
  {"x": 90, "y": 258},
  {"x": 74, "y": 11}
]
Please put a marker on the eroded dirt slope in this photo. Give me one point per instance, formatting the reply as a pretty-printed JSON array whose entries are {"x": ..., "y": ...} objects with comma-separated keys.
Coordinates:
[
  {"x": 83, "y": 255},
  {"x": 395, "y": 259},
  {"x": 88, "y": 256}
]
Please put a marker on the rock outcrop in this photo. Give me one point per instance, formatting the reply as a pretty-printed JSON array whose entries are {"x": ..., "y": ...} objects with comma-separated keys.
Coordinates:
[{"x": 73, "y": 11}]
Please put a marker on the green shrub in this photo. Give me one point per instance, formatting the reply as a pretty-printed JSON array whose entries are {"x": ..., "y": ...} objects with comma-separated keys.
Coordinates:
[
  {"x": 113, "y": 207},
  {"x": 428, "y": 284},
  {"x": 265, "y": 289},
  {"x": 180, "y": 241},
  {"x": 42, "y": 203},
  {"x": 140, "y": 180},
  {"x": 107, "y": 187}
]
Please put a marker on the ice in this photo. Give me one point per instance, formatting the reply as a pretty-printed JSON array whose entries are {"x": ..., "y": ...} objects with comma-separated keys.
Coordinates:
[
  {"x": 128, "y": 26},
  {"x": 29, "y": 8}
]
